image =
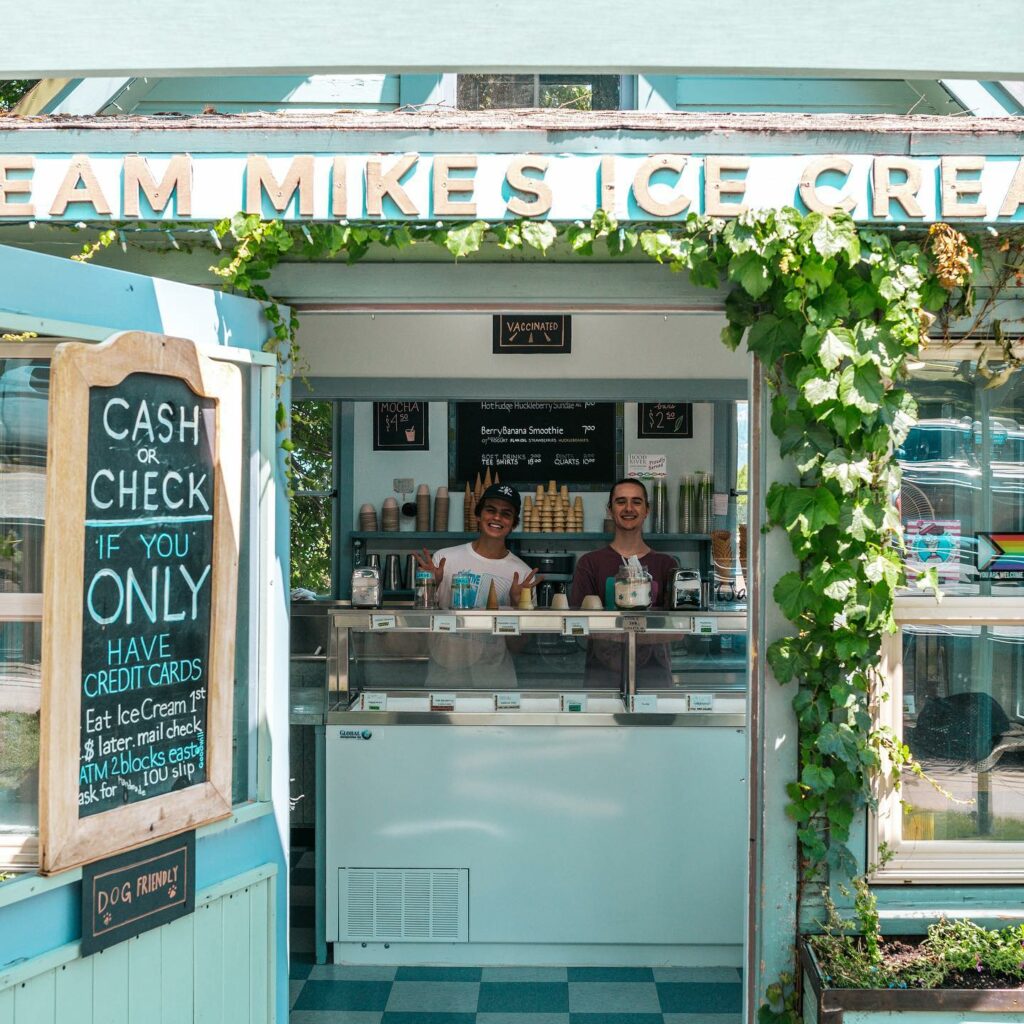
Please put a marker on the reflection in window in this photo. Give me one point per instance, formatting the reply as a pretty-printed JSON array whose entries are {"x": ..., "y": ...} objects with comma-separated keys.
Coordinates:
[
  {"x": 24, "y": 389},
  {"x": 963, "y": 719},
  {"x": 313, "y": 508},
  {"x": 963, "y": 479},
  {"x": 565, "y": 92}
]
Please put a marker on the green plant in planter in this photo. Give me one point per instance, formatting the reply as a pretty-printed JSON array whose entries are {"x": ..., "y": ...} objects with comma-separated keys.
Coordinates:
[{"x": 851, "y": 953}]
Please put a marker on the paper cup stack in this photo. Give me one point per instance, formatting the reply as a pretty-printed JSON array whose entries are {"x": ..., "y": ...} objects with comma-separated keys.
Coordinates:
[
  {"x": 441, "y": 510},
  {"x": 389, "y": 515},
  {"x": 368, "y": 519},
  {"x": 423, "y": 508}
]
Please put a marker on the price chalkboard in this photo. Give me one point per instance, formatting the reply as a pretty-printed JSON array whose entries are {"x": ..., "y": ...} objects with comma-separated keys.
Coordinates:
[
  {"x": 528, "y": 443},
  {"x": 141, "y": 563},
  {"x": 664, "y": 419},
  {"x": 146, "y": 592},
  {"x": 400, "y": 426}
]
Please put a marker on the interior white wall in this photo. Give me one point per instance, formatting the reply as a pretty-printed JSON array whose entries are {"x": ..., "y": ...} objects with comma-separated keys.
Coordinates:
[
  {"x": 649, "y": 346},
  {"x": 374, "y": 472}
]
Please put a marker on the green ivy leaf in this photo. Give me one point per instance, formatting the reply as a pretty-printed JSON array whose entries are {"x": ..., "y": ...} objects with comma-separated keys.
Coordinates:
[
  {"x": 705, "y": 274},
  {"x": 771, "y": 337},
  {"x": 818, "y": 390},
  {"x": 751, "y": 272},
  {"x": 836, "y": 345},
  {"x": 835, "y": 235},
  {"x": 540, "y": 234},
  {"x": 817, "y": 779},
  {"x": 848, "y": 472},
  {"x": 861, "y": 387},
  {"x": 467, "y": 238},
  {"x": 794, "y": 595},
  {"x": 831, "y": 306},
  {"x": 802, "y": 509}
]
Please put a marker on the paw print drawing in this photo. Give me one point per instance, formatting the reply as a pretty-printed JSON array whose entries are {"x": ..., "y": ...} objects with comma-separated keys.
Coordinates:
[
  {"x": 107, "y": 919},
  {"x": 172, "y": 891}
]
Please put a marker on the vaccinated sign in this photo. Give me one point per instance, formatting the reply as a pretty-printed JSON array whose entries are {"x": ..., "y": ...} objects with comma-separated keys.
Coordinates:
[{"x": 141, "y": 563}]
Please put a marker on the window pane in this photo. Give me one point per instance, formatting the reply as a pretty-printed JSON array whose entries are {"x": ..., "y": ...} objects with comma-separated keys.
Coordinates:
[
  {"x": 961, "y": 498},
  {"x": 19, "y": 726},
  {"x": 963, "y": 719},
  {"x": 311, "y": 544},
  {"x": 568, "y": 92},
  {"x": 24, "y": 388},
  {"x": 312, "y": 438}
]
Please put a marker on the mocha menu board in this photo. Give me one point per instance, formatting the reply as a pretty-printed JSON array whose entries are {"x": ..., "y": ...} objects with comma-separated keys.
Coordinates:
[
  {"x": 401, "y": 426},
  {"x": 146, "y": 591},
  {"x": 528, "y": 443}
]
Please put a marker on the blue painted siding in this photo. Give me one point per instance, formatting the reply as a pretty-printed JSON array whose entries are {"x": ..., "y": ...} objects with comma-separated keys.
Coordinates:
[
  {"x": 269, "y": 93},
  {"x": 812, "y": 96}
]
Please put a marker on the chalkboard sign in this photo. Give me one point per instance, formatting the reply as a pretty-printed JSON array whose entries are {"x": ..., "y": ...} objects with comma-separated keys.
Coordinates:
[
  {"x": 131, "y": 893},
  {"x": 664, "y": 419},
  {"x": 400, "y": 426},
  {"x": 141, "y": 561},
  {"x": 528, "y": 443},
  {"x": 531, "y": 333},
  {"x": 148, "y": 558}
]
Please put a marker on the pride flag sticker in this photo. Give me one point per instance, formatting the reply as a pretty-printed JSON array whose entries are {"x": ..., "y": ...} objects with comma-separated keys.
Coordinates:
[{"x": 1001, "y": 552}]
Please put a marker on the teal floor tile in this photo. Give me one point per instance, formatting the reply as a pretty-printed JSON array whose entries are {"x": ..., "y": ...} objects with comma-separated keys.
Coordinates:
[
  {"x": 433, "y": 996},
  {"x": 615, "y": 1018},
  {"x": 611, "y": 974},
  {"x": 429, "y": 1018},
  {"x": 344, "y": 995},
  {"x": 603, "y": 997},
  {"x": 523, "y": 997},
  {"x": 438, "y": 974},
  {"x": 700, "y": 997},
  {"x": 506, "y": 974}
]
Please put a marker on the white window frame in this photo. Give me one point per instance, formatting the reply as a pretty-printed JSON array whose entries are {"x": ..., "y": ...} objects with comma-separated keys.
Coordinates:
[
  {"x": 19, "y": 852},
  {"x": 934, "y": 861}
]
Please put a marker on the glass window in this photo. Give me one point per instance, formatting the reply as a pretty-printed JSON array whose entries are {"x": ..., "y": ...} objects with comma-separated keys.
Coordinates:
[
  {"x": 963, "y": 699},
  {"x": 565, "y": 92},
  {"x": 962, "y": 496},
  {"x": 24, "y": 392},
  {"x": 315, "y": 501},
  {"x": 956, "y": 669}
]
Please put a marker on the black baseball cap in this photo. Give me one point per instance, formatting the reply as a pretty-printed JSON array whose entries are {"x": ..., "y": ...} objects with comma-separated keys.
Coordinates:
[{"x": 502, "y": 491}]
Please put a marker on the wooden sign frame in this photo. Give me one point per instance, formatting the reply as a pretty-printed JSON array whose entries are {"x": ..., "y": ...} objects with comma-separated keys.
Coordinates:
[{"x": 65, "y": 839}]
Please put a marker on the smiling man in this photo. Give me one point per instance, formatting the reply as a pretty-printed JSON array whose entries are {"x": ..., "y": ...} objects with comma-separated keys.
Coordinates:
[
  {"x": 458, "y": 660},
  {"x": 627, "y": 503},
  {"x": 486, "y": 559}
]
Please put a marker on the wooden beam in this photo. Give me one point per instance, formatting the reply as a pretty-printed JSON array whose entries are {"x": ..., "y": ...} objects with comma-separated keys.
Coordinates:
[{"x": 873, "y": 38}]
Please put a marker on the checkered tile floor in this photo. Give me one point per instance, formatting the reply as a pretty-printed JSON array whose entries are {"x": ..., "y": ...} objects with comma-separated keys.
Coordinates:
[{"x": 334, "y": 994}]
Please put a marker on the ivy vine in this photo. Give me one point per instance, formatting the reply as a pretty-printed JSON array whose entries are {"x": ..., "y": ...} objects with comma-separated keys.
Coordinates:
[{"x": 833, "y": 313}]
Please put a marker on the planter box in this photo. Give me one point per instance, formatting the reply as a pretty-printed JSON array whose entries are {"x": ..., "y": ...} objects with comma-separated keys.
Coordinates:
[{"x": 823, "y": 1005}]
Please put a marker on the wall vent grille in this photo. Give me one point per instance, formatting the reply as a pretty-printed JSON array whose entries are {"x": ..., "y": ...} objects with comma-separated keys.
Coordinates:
[{"x": 404, "y": 904}]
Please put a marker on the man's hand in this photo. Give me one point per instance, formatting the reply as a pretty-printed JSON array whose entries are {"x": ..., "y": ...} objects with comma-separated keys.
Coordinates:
[
  {"x": 425, "y": 563},
  {"x": 515, "y": 591}
]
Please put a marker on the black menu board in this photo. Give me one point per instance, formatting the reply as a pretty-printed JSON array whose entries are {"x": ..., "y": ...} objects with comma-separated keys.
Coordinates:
[
  {"x": 530, "y": 443},
  {"x": 146, "y": 591},
  {"x": 664, "y": 419},
  {"x": 400, "y": 426}
]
